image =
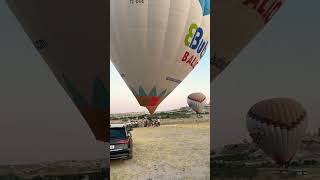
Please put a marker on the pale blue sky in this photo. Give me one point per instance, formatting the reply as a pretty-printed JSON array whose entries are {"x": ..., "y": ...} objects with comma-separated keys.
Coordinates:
[{"x": 122, "y": 100}]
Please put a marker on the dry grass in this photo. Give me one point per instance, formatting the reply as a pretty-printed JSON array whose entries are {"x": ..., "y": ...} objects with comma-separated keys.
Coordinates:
[{"x": 167, "y": 152}]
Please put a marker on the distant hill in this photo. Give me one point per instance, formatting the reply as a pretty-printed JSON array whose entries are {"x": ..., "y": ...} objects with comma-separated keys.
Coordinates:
[{"x": 182, "y": 112}]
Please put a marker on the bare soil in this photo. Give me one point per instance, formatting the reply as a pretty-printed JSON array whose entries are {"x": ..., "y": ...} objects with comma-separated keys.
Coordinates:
[{"x": 175, "y": 151}]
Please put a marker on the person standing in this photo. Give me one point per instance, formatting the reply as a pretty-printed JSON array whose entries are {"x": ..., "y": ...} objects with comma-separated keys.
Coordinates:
[{"x": 145, "y": 122}]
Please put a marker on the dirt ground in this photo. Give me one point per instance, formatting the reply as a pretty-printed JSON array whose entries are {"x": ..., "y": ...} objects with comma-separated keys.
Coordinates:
[
  {"x": 178, "y": 151},
  {"x": 273, "y": 174}
]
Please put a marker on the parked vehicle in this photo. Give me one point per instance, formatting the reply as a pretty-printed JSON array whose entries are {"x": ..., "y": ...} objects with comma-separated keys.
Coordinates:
[{"x": 121, "y": 144}]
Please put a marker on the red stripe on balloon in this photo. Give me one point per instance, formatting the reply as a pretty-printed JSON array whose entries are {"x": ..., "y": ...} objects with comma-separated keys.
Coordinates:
[{"x": 154, "y": 100}]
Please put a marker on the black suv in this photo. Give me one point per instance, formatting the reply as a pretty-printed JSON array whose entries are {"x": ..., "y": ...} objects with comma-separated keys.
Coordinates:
[{"x": 120, "y": 141}]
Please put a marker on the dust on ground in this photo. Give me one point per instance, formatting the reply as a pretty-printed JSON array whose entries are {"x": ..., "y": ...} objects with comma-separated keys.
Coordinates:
[{"x": 180, "y": 151}]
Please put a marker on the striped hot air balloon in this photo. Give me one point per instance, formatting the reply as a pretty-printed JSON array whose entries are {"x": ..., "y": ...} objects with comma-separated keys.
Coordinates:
[
  {"x": 277, "y": 126},
  {"x": 155, "y": 44},
  {"x": 196, "y": 102}
]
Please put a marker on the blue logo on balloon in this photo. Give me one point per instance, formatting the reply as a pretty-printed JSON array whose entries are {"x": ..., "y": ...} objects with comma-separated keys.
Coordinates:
[{"x": 194, "y": 39}]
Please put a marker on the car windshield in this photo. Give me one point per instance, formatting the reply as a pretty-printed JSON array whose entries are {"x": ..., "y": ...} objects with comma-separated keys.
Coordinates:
[{"x": 118, "y": 133}]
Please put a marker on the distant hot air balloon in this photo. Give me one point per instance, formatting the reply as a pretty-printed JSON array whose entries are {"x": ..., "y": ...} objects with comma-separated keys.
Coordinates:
[
  {"x": 71, "y": 37},
  {"x": 277, "y": 126},
  {"x": 196, "y": 102},
  {"x": 155, "y": 44},
  {"x": 235, "y": 23}
]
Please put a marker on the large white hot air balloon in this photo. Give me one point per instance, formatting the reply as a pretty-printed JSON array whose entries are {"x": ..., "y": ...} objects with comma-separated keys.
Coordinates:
[
  {"x": 277, "y": 126},
  {"x": 235, "y": 23},
  {"x": 196, "y": 102},
  {"x": 71, "y": 37},
  {"x": 155, "y": 44}
]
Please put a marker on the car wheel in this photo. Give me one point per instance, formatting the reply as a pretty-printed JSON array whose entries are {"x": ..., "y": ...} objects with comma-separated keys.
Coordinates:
[{"x": 130, "y": 154}]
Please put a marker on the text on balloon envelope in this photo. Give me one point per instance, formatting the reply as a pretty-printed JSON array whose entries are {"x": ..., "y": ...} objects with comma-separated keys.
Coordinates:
[
  {"x": 265, "y": 8},
  {"x": 192, "y": 60},
  {"x": 194, "y": 39},
  {"x": 136, "y": 1}
]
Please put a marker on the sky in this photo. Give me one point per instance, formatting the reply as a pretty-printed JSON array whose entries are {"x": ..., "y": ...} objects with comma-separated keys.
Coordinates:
[
  {"x": 122, "y": 100},
  {"x": 282, "y": 61},
  {"x": 38, "y": 121}
]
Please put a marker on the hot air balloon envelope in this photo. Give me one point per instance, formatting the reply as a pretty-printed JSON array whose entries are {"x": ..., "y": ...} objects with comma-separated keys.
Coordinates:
[
  {"x": 277, "y": 126},
  {"x": 71, "y": 37},
  {"x": 235, "y": 23},
  {"x": 156, "y": 44},
  {"x": 196, "y": 102}
]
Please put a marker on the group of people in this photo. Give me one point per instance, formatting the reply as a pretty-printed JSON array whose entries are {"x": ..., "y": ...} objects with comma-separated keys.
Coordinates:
[
  {"x": 154, "y": 122},
  {"x": 146, "y": 122}
]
